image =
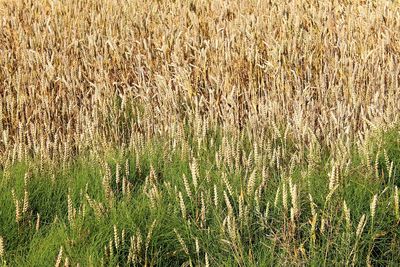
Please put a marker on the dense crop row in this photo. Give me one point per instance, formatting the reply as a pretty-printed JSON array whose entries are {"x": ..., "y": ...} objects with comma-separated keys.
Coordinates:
[{"x": 201, "y": 133}]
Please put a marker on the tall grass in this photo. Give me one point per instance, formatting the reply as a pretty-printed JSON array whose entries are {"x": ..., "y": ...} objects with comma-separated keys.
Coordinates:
[{"x": 157, "y": 207}]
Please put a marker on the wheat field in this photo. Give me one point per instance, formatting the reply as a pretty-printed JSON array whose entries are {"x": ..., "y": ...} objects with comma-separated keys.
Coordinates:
[{"x": 199, "y": 133}]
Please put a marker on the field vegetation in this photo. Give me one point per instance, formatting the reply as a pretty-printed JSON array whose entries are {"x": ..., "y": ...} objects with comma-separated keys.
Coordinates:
[{"x": 199, "y": 133}]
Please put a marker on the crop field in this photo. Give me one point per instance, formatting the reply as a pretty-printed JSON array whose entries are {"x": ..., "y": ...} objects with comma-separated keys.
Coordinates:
[{"x": 199, "y": 133}]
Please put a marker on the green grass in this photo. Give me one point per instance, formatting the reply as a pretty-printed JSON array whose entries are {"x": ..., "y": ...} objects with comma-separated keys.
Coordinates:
[{"x": 259, "y": 241}]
